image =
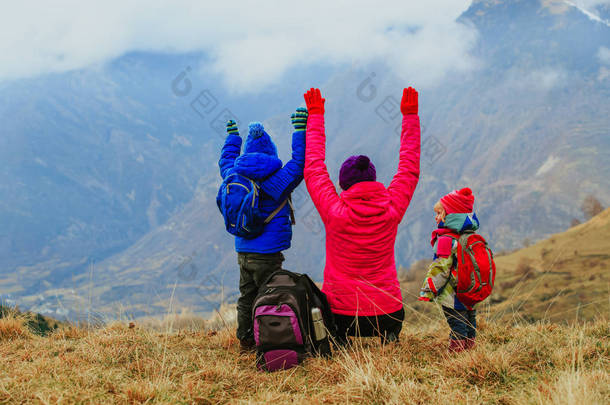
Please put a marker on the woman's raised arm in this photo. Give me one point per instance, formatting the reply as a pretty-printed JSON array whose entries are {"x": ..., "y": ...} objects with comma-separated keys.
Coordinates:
[
  {"x": 320, "y": 187},
  {"x": 405, "y": 180}
]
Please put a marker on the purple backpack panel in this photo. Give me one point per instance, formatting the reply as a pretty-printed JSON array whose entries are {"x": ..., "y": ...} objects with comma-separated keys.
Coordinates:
[
  {"x": 277, "y": 325},
  {"x": 279, "y": 360},
  {"x": 280, "y": 325}
]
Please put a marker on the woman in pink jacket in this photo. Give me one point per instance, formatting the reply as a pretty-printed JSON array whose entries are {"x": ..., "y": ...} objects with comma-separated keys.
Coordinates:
[{"x": 360, "y": 278}]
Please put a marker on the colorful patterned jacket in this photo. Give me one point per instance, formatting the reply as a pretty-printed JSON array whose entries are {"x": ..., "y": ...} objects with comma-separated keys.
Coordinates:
[{"x": 441, "y": 279}]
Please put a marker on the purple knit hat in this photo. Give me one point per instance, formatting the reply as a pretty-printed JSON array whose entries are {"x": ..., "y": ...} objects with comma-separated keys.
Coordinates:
[{"x": 356, "y": 169}]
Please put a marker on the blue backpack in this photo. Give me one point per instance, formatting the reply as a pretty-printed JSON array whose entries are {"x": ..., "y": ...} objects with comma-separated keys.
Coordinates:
[{"x": 238, "y": 201}]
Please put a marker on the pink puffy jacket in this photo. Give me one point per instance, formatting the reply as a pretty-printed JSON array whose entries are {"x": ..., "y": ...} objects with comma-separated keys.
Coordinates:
[{"x": 361, "y": 223}]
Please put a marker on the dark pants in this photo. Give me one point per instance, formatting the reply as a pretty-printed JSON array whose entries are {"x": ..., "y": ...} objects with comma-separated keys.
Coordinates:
[
  {"x": 385, "y": 326},
  {"x": 463, "y": 324},
  {"x": 254, "y": 268}
]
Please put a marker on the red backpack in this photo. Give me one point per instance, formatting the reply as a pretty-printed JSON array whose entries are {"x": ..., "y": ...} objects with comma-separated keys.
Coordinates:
[{"x": 476, "y": 270}]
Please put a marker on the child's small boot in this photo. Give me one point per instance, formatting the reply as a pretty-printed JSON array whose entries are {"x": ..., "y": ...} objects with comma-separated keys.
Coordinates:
[{"x": 457, "y": 345}]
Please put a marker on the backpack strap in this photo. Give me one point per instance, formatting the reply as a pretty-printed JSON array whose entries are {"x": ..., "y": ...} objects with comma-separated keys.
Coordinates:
[
  {"x": 254, "y": 191},
  {"x": 461, "y": 239},
  {"x": 292, "y": 219},
  {"x": 279, "y": 208},
  {"x": 275, "y": 211}
]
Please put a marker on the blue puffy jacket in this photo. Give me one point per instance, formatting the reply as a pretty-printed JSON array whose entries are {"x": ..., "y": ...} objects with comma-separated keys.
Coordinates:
[{"x": 261, "y": 163}]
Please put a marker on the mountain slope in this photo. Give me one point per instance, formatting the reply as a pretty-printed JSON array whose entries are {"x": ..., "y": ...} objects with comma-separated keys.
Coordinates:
[
  {"x": 527, "y": 130},
  {"x": 562, "y": 278},
  {"x": 85, "y": 167}
]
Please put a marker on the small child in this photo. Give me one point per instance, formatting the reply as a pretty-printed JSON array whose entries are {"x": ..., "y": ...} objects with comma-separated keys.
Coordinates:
[
  {"x": 454, "y": 214},
  {"x": 262, "y": 255}
]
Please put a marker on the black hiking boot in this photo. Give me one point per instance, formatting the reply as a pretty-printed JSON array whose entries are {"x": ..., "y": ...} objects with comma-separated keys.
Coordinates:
[
  {"x": 247, "y": 345},
  {"x": 390, "y": 338}
]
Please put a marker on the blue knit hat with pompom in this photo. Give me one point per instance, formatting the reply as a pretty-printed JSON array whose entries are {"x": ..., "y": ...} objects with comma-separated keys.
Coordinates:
[{"x": 259, "y": 141}]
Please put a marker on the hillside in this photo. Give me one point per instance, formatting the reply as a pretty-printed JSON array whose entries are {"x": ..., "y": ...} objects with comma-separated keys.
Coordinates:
[
  {"x": 563, "y": 278},
  {"x": 108, "y": 167},
  {"x": 532, "y": 363},
  {"x": 35, "y": 323}
]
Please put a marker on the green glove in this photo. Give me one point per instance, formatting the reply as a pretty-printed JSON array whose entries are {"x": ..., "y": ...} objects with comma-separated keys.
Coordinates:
[
  {"x": 232, "y": 128},
  {"x": 299, "y": 119}
]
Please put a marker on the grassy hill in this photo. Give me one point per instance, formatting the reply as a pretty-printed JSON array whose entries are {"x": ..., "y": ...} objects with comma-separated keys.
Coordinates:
[
  {"x": 35, "y": 323},
  {"x": 564, "y": 277},
  {"x": 121, "y": 363}
]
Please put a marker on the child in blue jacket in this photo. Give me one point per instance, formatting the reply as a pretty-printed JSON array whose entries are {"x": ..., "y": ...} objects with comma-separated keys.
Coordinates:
[{"x": 259, "y": 257}]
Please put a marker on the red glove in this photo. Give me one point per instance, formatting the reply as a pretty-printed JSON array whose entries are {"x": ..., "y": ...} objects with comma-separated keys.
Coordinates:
[
  {"x": 409, "y": 104},
  {"x": 314, "y": 101}
]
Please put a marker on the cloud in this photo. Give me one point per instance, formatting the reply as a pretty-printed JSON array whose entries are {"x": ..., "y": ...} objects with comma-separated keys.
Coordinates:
[
  {"x": 537, "y": 80},
  {"x": 603, "y": 54},
  {"x": 588, "y": 8},
  {"x": 546, "y": 79},
  {"x": 251, "y": 44},
  {"x": 589, "y": 4}
]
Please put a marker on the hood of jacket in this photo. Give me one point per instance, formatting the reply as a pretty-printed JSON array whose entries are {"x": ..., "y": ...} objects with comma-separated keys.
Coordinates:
[
  {"x": 455, "y": 223},
  {"x": 367, "y": 199},
  {"x": 461, "y": 222},
  {"x": 256, "y": 165}
]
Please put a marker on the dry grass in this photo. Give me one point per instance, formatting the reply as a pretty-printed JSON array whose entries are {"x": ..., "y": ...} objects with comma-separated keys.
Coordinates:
[
  {"x": 562, "y": 278},
  {"x": 186, "y": 320},
  {"x": 530, "y": 363},
  {"x": 524, "y": 269},
  {"x": 12, "y": 327}
]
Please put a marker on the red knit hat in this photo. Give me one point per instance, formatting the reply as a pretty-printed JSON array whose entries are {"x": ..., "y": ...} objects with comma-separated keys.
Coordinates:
[{"x": 458, "y": 201}]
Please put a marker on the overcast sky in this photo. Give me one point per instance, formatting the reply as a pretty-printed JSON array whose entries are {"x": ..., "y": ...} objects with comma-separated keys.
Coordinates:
[{"x": 251, "y": 43}]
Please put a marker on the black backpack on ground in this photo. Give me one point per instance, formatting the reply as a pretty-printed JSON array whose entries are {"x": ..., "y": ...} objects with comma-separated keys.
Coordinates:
[{"x": 292, "y": 320}]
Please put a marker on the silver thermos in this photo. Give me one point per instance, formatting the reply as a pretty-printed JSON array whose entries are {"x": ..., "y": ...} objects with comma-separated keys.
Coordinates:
[{"x": 319, "y": 329}]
